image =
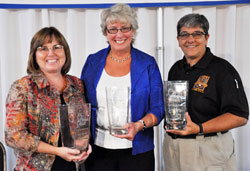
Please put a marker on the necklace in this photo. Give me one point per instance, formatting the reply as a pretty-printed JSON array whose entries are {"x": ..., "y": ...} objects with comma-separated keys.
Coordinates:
[{"x": 119, "y": 60}]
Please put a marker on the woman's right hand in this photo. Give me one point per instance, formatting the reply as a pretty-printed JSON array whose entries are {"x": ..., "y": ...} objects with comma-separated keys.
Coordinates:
[
  {"x": 69, "y": 154},
  {"x": 133, "y": 128}
]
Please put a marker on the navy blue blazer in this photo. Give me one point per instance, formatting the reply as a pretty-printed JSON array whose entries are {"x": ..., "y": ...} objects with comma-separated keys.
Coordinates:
[{"x": 146, "y": 92}]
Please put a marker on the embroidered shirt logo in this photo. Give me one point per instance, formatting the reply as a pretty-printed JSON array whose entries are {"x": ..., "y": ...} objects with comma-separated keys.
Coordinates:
[{"x": 201, "y": 83}]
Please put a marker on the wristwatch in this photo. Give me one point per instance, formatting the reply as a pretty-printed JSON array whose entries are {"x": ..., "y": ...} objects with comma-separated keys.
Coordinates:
[
  {"x": 201, "y": 129},
  {"x": 144, "y": 124}
]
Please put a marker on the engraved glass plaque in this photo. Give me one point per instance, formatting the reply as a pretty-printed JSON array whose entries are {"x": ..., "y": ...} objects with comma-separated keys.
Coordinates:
[
  {"x": 75, "y": 126},
  {"x": 175, "y": 97}
]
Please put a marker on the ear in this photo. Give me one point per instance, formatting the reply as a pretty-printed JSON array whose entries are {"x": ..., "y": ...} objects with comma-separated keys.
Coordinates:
[
  {"x": 207, "y": 37},
  {"x": 178, "y": 39},
  {"x": 133, "y": 32}
]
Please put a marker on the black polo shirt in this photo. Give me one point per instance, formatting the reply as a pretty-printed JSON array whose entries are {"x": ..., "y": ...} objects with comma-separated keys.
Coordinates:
[{"x": 215, "y": 88}]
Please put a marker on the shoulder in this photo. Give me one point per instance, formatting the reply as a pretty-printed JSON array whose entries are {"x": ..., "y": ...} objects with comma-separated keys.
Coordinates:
[
  {"x": 142, "y": 56},
  {"x": 220, "y": 61},
  {"x": 223, "y": 66},
  {"x": 177, "y": 65},
  {"x": 98, "y": 55},
  {"x": 19, "y": 88},
  {"x": 22, "y": 82},
  {"x": 75, "y": 83},
  {"x": 140, "y": 53},
  {"x": 74, "y": 80}
]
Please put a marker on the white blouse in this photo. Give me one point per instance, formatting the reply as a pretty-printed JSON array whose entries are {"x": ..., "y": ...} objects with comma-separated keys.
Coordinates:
[{"x": 103, "y": 137}]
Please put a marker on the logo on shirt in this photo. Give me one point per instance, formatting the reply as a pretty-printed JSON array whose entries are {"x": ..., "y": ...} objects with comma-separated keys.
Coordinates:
[{"x": 201, "y": 83}]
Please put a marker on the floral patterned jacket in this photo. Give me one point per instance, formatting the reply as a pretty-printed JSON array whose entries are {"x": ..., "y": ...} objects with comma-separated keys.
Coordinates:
[{"x": 32, "y": 116}]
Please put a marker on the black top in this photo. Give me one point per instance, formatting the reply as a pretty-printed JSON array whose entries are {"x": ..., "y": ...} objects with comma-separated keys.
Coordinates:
[{"x": 215, "y": 88}]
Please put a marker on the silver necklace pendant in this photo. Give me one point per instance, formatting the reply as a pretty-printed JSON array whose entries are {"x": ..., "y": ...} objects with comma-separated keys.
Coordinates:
[{"x": 119, "y": 60}]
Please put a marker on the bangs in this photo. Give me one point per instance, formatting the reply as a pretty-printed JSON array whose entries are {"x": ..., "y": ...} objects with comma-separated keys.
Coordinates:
[{"x": 117, "y": 18}]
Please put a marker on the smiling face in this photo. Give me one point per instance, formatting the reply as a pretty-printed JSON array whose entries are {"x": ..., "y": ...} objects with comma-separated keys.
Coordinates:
[
  {"x": 50, "y": 57},
  {"x": 120, "y": 42},
  {"x": 193, "y": 48}
]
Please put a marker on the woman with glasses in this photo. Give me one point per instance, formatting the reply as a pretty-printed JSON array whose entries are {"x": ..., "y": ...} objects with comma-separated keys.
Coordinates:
[
  {"x": 121, "y": 65},
  {"x": 217, "y": 103},
  {"x": 32, "y": 123}
]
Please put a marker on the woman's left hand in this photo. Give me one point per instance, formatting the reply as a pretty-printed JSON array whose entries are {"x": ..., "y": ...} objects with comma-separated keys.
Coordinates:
[
  {"x": 133, "y": 128},
  {"x": 191, "y": 128},
  {"x": 84, "y": 155}
]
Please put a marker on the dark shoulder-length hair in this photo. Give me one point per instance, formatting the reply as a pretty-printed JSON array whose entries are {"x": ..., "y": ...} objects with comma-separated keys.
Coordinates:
[{"x": 46, "y": 35}]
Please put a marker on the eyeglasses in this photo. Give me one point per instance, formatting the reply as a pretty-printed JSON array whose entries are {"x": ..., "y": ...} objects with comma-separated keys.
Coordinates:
[
  {"x": 115, "y": 30},
  {"x": 195, "y": 35},
  {"x": 45, "y": 50}
]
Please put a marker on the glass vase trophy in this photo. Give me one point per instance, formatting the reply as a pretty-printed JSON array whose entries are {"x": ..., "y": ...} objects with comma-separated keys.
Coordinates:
[
  {"x": 118, "y": 103},
  {"x": 175, "y": 97},
  {"x": 75, "y": 126}
]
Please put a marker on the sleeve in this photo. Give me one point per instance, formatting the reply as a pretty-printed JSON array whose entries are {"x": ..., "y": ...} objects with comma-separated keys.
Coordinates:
[
  {"x": 156, "y": 92},
  {"x": 233, "y": 97},
  {"x": 17, "y": 135}
]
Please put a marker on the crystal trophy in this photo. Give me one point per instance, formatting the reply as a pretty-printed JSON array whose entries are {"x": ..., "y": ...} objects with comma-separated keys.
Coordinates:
[
  {"x": 75, "y": 126},
  {"x": 175, "y": 99},
  {"x": 118, "y": 103}
]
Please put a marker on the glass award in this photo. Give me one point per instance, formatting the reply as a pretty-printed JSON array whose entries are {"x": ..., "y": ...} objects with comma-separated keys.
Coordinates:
[{"x": 175, "y": 99}]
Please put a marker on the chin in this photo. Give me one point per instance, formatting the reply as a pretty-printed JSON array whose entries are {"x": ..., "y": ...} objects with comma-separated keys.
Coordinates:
[{"x": 53, "y": 72}]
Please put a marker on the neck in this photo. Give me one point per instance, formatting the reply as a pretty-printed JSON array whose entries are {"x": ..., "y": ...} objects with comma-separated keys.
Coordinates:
[
  {"x": 120, "y": 54},
  {"x": 192, "y": 62},
  {"x": 57, "y": 79}
]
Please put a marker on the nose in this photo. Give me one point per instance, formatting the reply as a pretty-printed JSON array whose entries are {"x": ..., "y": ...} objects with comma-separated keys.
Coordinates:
[
  {"x": 119, "y": 34},
  {"x": 51, "y": 52},
  {"x": 190, "y": 38},
  {"x": 119, "y": 31}
]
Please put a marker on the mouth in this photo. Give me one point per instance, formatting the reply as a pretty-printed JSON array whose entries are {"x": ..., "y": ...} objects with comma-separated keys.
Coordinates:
[
  {"x": 51, "y": 61},
  {"x": 120, "y": 41},
  {"x": 190, "y": 46}
]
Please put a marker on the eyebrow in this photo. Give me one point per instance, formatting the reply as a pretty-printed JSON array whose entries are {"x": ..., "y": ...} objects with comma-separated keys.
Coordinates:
[{"x": 192, "y": 32}]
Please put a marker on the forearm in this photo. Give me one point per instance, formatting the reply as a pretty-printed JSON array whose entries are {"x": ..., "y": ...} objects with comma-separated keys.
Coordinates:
[
  {"x": 221, "y": 123},
  {"x": 150, "y": 121},
  {"x": 47, "y": 148},
  {"x": 224, "y": 122}
]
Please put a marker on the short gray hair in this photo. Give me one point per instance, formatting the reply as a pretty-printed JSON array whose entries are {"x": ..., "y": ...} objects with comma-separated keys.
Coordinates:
[
  {"x": 119, "y": 12},
  {"x": 193, "y": 20}
]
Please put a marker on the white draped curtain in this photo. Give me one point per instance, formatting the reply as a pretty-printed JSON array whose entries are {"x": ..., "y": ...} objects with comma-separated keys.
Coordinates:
[{"x": 229, "y": 39}]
